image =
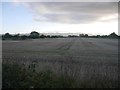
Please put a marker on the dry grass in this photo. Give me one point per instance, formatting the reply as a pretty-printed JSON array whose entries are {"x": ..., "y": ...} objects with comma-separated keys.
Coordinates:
[{"x": 88, "y": 63}]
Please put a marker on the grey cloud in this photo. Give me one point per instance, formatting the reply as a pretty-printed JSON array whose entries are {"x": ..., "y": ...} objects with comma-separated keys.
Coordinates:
[
  {"x": 64, "y": 1},
  {"x": 72, "y": 12}
]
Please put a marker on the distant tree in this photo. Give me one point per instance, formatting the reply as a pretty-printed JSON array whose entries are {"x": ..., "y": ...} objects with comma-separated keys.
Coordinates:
[
  {"x": 104, "y": 36},
  {"x": 81, "y": 35},
  {"x": 60, "y": 36},
  {"x": 98, "y": 36},
  {"x": 113, "y": 35},
  {"x": 7, "y": 35},
  {"x": 48, "y": 36},
  {"x": 54, "y": 36},
  {"x": 16, "y": 36},
  {"x": 69, "y": 35},
  {"x": 34, "y": 34},
  {"x": 86, "y": 35},
  {"x": 42, "y": 36},
  {"x": 23, "y": 37},
  {"x": 72, "y": 36}
]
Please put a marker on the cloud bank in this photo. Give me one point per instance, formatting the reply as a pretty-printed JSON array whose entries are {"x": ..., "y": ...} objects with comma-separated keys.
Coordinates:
[
  {"x": 66, "y": 12},
  {"x": 74, "y": 12},
  {"x": 64, "y": 0}
]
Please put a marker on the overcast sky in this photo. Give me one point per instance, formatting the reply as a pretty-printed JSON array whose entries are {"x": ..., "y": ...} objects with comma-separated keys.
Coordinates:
[{"x": 60, "y": 17}]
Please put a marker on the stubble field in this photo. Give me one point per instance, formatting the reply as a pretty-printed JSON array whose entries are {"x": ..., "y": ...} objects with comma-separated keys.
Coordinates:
[{"x": 90, "y": 62}]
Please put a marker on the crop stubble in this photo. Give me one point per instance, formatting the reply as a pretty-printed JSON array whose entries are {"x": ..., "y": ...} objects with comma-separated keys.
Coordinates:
[{"x": 85, "y": 59}]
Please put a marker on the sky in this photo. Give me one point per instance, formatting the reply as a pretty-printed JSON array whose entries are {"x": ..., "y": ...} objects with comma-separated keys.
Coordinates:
[{"x": 60, "y": 17}]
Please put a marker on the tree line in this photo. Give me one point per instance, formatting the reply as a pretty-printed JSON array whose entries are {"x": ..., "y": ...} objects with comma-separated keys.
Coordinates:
[
  {"x": 36, "y": 35},
  {"x": 32, "y": 35},
  {"x": 112, "y": 35}
]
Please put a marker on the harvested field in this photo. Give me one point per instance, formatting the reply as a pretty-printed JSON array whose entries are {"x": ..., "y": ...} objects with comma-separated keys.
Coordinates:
[{"x": 91, "y": 62}]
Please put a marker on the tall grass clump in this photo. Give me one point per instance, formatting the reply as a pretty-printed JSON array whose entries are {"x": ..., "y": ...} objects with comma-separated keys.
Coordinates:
[{"x": 18, "y": 76}]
